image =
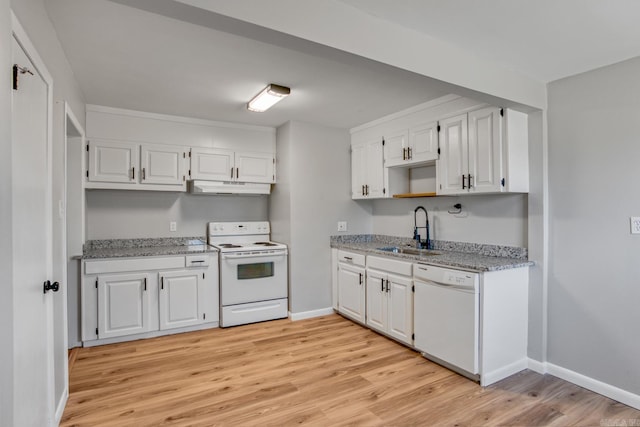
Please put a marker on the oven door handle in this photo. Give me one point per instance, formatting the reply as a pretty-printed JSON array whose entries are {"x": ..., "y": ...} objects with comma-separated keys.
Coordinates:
[{"x": 253, "y": 255}]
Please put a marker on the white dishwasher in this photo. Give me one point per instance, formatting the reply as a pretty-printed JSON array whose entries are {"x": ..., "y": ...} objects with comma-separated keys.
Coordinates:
[{"x": 446, "y": 317}]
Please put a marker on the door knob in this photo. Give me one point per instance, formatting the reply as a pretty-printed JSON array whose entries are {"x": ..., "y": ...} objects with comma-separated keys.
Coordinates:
[{"x": 48, "y": 286}]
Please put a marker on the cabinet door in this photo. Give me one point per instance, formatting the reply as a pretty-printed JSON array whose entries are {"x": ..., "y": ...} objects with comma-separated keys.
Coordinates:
[
  {"x": 375, "y": 170},
  {"x": 162, "y": 164},
  {"x": 395, "y": 148},
  {"x": 212, "y": 164},
  {"x": 123, "y": 305},
  {"x": 351, "y": 292},
  {"x": 485, "y": 151},
  {"x": 377, "y": 300},
  {"x": 453, "y": 162},
  {"x": 113, "y": 161},
  {"x": 400, "y": 308},
  {"x": 358, "y": 170},
  {"x": 423, "y": 143},
  {"x": 181, "y": 293},
  {"x": 255, "y": 167}
]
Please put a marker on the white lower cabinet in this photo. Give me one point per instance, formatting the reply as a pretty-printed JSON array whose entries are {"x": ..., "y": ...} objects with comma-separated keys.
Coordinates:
[
  {"x": 181, "y": 296},
  {"x": 131, "y": 298},
  {"x": 351, "y": 285},
  {"x": 390, "y": 298},
  {"x": 123, "y": 305}
]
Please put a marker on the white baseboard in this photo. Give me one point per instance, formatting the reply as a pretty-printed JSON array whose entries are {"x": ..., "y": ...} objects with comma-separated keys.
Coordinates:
[
  {"x": 536, "y": 366},
  {"x": 504, "y": 372},
  {"x": 599, "y": 387},
  {"x": 309, "y": 314},
  {"x": 61, "y": 406},
  {"x": 608, "y": 390}
]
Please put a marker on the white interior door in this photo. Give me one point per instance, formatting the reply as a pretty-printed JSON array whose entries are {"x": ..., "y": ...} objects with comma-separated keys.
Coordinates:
[{"x": 31, "y": 240}]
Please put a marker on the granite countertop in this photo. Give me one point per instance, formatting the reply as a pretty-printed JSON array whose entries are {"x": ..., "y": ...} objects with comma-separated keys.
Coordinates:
[
  {"x": 466, "y": 256},
  {"x": 117, "y": 248}
]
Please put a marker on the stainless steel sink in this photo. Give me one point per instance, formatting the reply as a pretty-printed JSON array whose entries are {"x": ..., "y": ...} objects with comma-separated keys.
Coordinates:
[{"x": 409, "y": 251}]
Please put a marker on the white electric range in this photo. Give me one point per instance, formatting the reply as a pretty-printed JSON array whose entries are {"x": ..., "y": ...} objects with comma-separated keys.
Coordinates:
[{"x": 253, "y": 272}]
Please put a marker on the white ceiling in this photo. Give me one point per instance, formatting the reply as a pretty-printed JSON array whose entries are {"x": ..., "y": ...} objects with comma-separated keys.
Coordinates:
[
  {"x": 544, "y": 39},
  {"x": 168, "y": 57}
]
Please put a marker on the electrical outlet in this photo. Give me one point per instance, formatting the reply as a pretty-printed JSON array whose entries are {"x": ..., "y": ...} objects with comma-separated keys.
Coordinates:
[
  {"x": 342, "y": 225},
  {"x": 173, "y": 226},
  {"x": 635, "y": 225}
]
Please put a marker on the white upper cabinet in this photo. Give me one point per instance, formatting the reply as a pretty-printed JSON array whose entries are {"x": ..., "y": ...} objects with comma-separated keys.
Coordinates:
[
  {"x": 215, "y": 164},
  {"x": 484, "y": 151},
  {"x": 112, "y": 161},
  {"x": 415, "y": 146},
  {"x": 212, "y": 164},
  {"x": 396, "y": 146},
  {"x": 132, "y": 165},
  {"x": 255, "y": 167},
  {"x": 162, "y": 164},
  {"x": 369, "y": 178}
]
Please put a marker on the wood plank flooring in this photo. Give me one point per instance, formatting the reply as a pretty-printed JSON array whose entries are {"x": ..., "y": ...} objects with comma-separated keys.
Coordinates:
[{"x": 325, "y": 371}]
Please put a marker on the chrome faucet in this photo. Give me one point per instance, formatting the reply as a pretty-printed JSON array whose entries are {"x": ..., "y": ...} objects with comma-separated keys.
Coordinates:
[{"x": 426, "y": 244}]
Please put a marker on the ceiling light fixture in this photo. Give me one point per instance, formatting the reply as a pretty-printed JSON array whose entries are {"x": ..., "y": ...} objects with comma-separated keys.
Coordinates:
[{"x": 268, "y": 97}]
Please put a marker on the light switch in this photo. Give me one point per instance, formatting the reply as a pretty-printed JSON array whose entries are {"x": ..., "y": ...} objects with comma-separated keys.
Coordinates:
[
  {"x": 342, "y": 225},
  {"x": 635, "y": 225}
]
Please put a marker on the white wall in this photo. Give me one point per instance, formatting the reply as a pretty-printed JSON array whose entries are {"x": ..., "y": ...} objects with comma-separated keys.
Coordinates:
[
  {"x": 6, "y": 249},
  {"x": 122, "y": 214},
  {"x": 490, "y": 219},
  {"x": 317, "y": 171},
  {"x": 594, "y": 273}
]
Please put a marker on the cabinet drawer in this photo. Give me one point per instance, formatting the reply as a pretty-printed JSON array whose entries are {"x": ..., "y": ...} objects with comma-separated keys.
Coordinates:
[
  {"x": 198, "y": 260},
  {"x": 390, "y": 265},
  {"x": 135, "y": 264},
  {"x": 351, "y": 258}
]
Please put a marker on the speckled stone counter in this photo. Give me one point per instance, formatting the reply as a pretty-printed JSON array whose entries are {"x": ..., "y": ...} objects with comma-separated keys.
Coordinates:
[
  {"x": 465, "y": 256},
  {"x": 116, "y": 248}
]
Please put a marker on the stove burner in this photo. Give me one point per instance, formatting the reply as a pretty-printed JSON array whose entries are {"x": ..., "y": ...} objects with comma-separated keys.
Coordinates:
[
  {"x": 265, "y": 244},
  {"x": 229, "y": 245}
]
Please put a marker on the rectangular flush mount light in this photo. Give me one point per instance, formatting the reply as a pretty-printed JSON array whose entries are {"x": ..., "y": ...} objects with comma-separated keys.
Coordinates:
[{"x": 268, "y": 97}]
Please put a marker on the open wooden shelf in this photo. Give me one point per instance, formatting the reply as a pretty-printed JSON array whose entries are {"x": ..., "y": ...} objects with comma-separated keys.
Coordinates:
[{"x": 413, "y": 195}]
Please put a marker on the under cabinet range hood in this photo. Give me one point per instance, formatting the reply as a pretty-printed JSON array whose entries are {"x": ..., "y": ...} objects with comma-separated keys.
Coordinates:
[{"x": 228, "y": 187}]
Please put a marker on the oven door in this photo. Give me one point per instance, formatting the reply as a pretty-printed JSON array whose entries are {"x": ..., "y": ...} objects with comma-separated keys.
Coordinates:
[{"x": 252, "y": 277}]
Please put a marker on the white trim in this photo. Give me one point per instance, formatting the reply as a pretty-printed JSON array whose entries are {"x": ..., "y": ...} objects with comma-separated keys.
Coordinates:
[
  {"x": 597, "y": 386},
  {"x": 503, "y": 372},
  {"x": 177, "y": 119},
  {"x": 537, "y": 366},
  {"x": 61, "y": 405},
  {"x": 434, "y": 102},
  {"x": 21, "y": 37},
  {"x": 310, "y": 314}
]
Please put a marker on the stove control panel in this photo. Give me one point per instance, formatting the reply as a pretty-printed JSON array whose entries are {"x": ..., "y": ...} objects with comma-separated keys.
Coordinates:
[{"x": 239, "y": 228}]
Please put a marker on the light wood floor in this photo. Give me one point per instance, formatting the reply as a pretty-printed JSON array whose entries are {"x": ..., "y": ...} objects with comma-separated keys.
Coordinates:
[{"x": 326, "y": 371}]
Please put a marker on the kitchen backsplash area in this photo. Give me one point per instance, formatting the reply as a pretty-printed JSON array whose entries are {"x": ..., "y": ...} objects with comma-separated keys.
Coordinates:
[
  {"x": 487, "y": 219},
  {"x": 114, "y": 214}
]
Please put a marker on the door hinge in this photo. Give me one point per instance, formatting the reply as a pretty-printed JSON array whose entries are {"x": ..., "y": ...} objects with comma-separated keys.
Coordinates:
[
  {"x": 438, "y": 151},
  {"x": 413, "y": 288},
  {"x": 189, "y": 153},
  {"x": 502, "y": 181},
  {"x": 413, "y": 336},
  {"x": 87, "y": 147},
  {"x": 203, "y": 275},
  {"x": 189, "y": 173},
  {"x": 184, "y": 178},
  {"x": 96, "y": 331},
  {"x": 184, "y": 155},
  {"x": 145, "y": 283},
  {"x": 162, "y": 283},
  {"x": 383, "y": 142},
  {"x": 204, "y": 316},
  {"x": 19, "y": 70},
  {"x": 438, "y": 128},
  {"x": 384, "y": 191},
  {"x": 96, "y": 283},
  {"x": 87, "y": 173},
  {"x": 502, "y": 112}
]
